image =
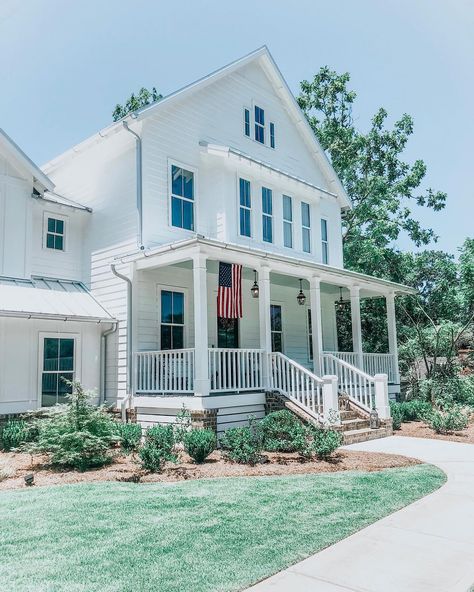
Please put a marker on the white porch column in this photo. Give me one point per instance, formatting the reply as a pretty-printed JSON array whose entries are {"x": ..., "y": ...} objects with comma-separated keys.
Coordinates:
[
  {"x": 392, "y": 334},
  {"x": 356, "y": 324},
  {"x": 316, "y": 322},
  {"x": 264, "y": 321},
  {"x": 381, "y": 396},
  {"x": 201, "y": 364}
]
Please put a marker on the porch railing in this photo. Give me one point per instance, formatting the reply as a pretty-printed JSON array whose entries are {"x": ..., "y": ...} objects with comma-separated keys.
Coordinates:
[
  {"x": 371, "y": 363},
  {"x": 355, "y": 383},
  {"x": 167, "y": 371},
  {"x": 297, "y": 383},
  {"x": 235, "y": 369}
]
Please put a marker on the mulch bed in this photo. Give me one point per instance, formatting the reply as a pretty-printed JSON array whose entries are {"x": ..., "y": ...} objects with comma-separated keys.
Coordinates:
[
  {"x": 127, "y": 468},
  {"x": 417, "y": 429}
]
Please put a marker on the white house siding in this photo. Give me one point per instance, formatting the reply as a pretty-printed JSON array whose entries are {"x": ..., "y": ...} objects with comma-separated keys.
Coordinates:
[
  {"x": 20, "y": 362},
  {"x": 15, "y": 221},
  {"x": 295, "y": 327},
  {"x": 215, "y": 114}
]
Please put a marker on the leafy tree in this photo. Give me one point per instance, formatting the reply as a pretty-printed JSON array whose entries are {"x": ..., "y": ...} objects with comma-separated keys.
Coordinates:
[
  {"x": 135, "y": 102},
  {"x": 381, "y": 185}
]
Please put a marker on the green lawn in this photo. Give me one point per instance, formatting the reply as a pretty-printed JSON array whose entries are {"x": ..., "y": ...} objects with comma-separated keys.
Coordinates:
[{"x": 221, "y": 534}]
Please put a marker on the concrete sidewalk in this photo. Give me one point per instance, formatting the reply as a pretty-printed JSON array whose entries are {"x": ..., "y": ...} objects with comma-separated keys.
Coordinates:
[{"x": 425, "y": 547}]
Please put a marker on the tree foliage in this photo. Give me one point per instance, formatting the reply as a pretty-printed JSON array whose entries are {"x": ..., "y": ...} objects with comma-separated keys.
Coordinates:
[
  {"x": 143, "y": 98},
  {"x": 382, "y": 186}
]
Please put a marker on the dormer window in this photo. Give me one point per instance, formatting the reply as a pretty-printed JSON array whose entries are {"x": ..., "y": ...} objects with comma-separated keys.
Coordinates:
[
  {"x": 259, "y": 125},
  {"x": 55, "y": 234}
]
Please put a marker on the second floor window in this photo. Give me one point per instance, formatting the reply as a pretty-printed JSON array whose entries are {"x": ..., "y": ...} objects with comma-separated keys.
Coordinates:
[
  {"x": 272, "y": 135},
  {"x": 55, "y": 234},
  {"x": 245, "y": 207},
  {"x": 182, "y": 198},
  {"x": 306, "y": 226},
  {"x": 247, "y": 122},
  {"x": 310, "y": 335},
  {"x": 267, "y": 215},
  {"x": 172, "y": 320},
  {"x": 324, "y": 241},
  {"x": 276, "y": 328},
  {"x": 287, "y": 221},
  {"x": 259, "y": 125}
]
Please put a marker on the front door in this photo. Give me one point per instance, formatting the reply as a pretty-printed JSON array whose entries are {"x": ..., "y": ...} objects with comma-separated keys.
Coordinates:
[{"x": 227, "y": 333}]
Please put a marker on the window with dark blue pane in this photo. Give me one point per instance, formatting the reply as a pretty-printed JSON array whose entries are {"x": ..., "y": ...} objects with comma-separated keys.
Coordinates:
[
  {"x": 259, "y": 125},
  {"x": 55, "y": 234},
  {"x": 247, "y": 122},
  {"x": 272, "y": 135},
  {"x": 287, "y": 221},
  {"x": 57, "y": 370},
  {"x": 267, "y": 215},
  {"x": 182, "y": 198},
  {"x": 276, "y": 326},
  {"x": 172, "y": 320},
  {"x": 245, "y": 207}
]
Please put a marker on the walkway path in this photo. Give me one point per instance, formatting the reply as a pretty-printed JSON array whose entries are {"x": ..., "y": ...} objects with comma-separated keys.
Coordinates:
[{"x": 425, "y": 547}]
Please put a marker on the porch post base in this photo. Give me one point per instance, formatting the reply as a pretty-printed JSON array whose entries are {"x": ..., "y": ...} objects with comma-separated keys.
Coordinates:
[
  {"x": 204, "y": 419},
  {"x": 330, "y": 399},
  {"x": 202, "y": 387},
  {"x": 381, "y": 396}
]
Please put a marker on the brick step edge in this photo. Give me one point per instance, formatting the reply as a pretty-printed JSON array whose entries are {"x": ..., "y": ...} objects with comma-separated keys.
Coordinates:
[{"x": 356, "y": 436}]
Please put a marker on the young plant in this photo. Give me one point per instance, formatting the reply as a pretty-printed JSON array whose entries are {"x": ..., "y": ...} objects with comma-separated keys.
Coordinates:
[
  {"x": 199, "y": 444},
  {"x": 158, "y": 448},
  {"x": 452, "y": 419},
  {"x": 321, "y": 442},
  {"x": 182, "y": 424},
  {"x": 130, "y": 435},
  {"x": 15, "y": 433}
]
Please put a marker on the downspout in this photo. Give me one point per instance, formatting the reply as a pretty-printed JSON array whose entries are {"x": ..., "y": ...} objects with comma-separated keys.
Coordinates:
[
  {"x": 139, "y": 184},
  {"x": 129, "y": 335},
  {"x": 103, "y": 360}
]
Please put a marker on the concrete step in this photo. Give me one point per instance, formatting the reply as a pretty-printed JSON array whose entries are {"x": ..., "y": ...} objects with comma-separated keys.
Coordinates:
[{"x": 363, "y": 435}]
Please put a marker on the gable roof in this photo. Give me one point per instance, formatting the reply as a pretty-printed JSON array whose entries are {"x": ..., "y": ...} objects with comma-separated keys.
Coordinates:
[
  {"x": 266, "y": 61},
  {"x": 40, "y": 180}
]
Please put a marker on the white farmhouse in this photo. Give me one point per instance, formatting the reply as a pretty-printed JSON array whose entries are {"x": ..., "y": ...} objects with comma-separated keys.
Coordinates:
[{"x": 109, "y": 262}]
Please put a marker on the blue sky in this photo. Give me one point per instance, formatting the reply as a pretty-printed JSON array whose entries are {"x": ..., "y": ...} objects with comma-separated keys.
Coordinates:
[{"x": 65, "y": 64}]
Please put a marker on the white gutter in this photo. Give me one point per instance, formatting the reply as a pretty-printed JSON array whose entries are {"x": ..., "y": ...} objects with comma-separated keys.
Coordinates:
[{"x": 103, "y": 360}]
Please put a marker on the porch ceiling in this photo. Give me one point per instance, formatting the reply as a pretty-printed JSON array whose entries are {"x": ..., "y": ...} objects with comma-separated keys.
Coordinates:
[{"x": 281, "y": 267}]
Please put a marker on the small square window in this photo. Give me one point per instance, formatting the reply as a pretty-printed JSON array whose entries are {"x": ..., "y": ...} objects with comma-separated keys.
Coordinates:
[{"x": 55, "y": 234}]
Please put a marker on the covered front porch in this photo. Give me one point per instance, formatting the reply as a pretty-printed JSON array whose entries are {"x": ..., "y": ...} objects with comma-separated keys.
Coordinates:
[{"x": 286, "y": 340}]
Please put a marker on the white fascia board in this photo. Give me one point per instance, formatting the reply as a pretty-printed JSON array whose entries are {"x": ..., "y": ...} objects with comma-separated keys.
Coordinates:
[
  {"x": 55, "y": 317},
  {"x": 17, "y": 154}
]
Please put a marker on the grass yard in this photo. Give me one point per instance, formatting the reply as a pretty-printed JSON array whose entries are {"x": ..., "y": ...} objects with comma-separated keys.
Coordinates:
[{"x": 196, "y": 536}]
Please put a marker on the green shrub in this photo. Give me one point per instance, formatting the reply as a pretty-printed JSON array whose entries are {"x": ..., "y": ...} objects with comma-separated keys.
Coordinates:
[
  {"x": 158, "y": 448},
  {"x": 397, "y": 415},
  {"x": 281, "y": 431},
  {"x": 199, "y": 444},
  {"x": 152, "y": 458},
  {"x": 449, "y": 420},
  {"x": 321, "y": 442},
  {"x": 130, "y": 435},
  {"x": 242, "y": 445},
  {"x": 415, "y": 410},
  {"x": 15, "y": 433},
  {"x": 77, "y": 434}
]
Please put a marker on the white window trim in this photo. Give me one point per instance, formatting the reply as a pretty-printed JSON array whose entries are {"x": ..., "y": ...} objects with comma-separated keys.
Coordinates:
[
  {"x": 303, "y": 228},
  {"x": 264, "y": 126},
  {"x": 266, "y": 110},
  {"x": 326, "y": 242},
  {"x": 309, "y": 335},
  {"x": 270, "y": 124},
  {"x": 252, "y": 226},
  {"x": 191, "y": 169},
  {"x": 186, "y": 329},
  {"x": 77, "y": 372},
  {"x": 285, "y": 221},
  {"x": 65, "y": 220},
  {"x": 271, "y": 216}
]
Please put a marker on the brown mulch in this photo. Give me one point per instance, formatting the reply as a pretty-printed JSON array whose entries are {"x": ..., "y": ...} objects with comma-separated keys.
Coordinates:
[
  {"x": 417, "y": 429},
  {"x": 127, "y": 468}
]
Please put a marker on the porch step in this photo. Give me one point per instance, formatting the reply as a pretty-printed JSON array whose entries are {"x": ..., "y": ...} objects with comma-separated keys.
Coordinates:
[
  {"x": 347, "y": 415},
  {"x": 357, "y": 423},
  {"x": 365, "y": 434}
]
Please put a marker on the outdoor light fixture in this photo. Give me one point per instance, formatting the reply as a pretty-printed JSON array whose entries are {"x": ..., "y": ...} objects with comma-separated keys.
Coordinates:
[
  {"x": 254, "y": 289},
  {"x": 29, "y": 479},
  {"x": 340, "y": 302},
  {"x": 301, "y": 298}
]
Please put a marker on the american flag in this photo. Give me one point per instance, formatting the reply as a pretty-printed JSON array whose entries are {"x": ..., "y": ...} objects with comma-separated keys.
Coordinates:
[{"x": 229, "y": 294}]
